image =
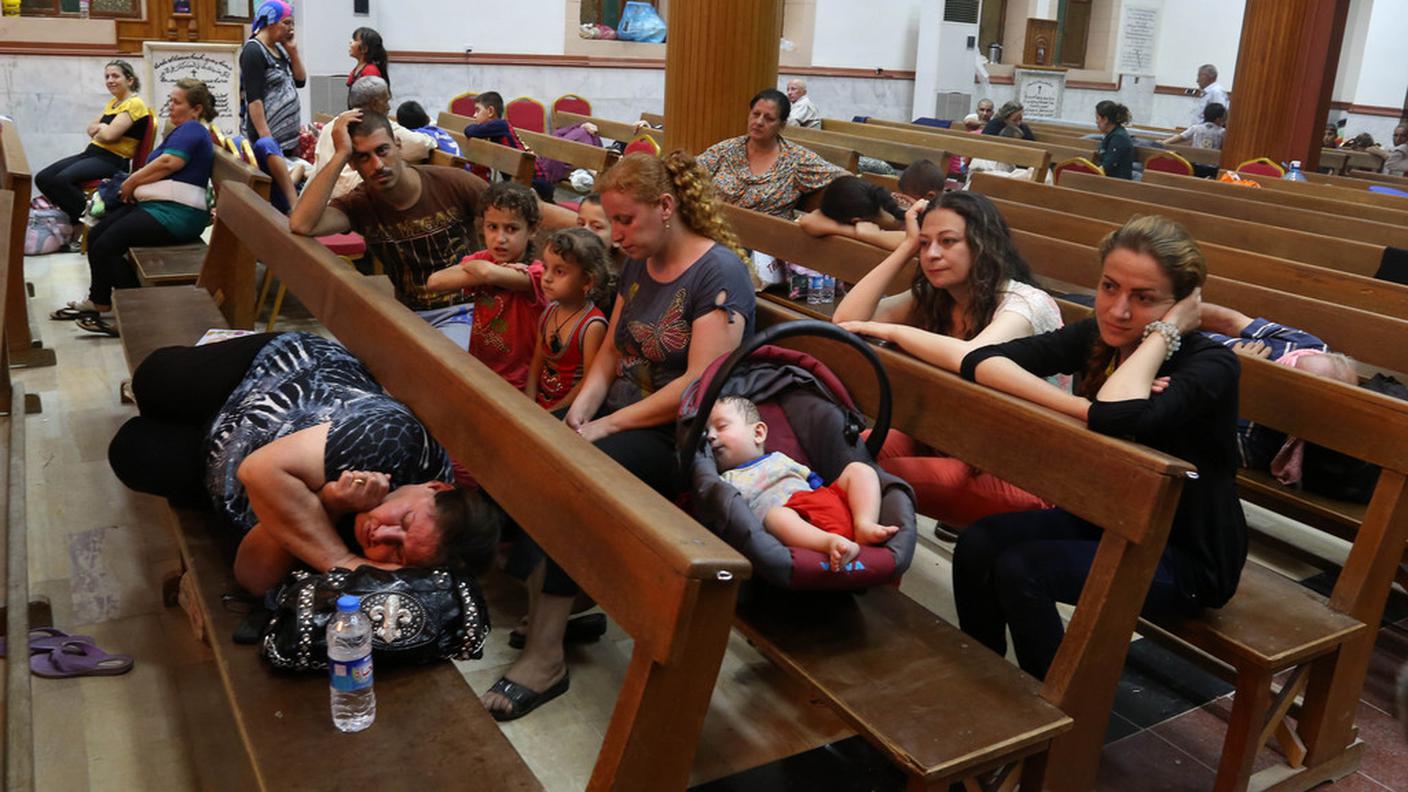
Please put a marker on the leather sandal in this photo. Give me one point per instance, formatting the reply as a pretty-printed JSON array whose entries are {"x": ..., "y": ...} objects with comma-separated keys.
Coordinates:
[
  {"x": 97, "y": 323},
  {"x": 524, "y": 700}
]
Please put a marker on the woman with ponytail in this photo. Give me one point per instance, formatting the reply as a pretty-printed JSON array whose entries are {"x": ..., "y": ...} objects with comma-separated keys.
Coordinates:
[
  {"x": 1143, "y": 373},
  {"x": 1117, "y": 148},
  {"x": 684, "y": 299}
]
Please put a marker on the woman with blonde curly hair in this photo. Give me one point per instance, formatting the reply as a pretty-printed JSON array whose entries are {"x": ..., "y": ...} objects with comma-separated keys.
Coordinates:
[{"x": 684, "y": 299}]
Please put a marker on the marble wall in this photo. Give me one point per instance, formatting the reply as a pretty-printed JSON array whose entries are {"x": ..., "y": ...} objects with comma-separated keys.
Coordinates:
[{"x": 52, "y": 100}]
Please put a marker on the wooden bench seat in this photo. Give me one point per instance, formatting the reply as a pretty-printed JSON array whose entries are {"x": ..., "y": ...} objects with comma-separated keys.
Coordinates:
[
  {"x": 574, "y": 153},
  {"x": 1349, "y": 190},
  {"x": 154, "y": 318},
  {"x": 891, "y": 667},
  {"x": 901, "y": 153},
  {"x": 620, "y": 131},
  {"x": 25, "y": 347},
  {"x": 1298, "y": 199}
]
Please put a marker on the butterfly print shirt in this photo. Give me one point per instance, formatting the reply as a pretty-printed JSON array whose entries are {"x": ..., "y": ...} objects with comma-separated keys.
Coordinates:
[{"x": 653, "y": 332}]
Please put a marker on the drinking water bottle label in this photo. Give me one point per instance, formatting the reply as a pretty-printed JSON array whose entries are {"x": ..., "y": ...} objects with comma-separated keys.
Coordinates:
[{"x": 352, "y": 675}]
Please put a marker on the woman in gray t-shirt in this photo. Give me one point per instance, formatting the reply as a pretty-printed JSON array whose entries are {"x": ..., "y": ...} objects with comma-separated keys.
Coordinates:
[{"x": 685, "y": 299}]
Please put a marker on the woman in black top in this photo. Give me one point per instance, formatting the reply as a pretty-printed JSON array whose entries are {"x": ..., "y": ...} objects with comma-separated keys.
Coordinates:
[
  {"x": 1009, "y": 116},
  {"x": 1117, "y": 148},
  {"x": 1142, "y": 374}
]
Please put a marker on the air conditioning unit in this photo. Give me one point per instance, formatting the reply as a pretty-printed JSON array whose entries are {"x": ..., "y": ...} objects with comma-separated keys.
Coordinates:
[{"x": 946, "y": 59}]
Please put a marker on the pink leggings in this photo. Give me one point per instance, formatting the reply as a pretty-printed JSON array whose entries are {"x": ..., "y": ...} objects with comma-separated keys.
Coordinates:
[{"x": 948, "y": 489}]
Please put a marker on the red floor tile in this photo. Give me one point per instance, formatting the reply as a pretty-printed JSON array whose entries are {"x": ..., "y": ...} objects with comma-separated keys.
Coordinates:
[
  {"x": 1390, "y": 653},
  {"x": 1385, "y": 749},
  {"x": 1355, "y": 783},
  {"x": 1148, "y": 763},
  {"x": 1200, "y": 734}
]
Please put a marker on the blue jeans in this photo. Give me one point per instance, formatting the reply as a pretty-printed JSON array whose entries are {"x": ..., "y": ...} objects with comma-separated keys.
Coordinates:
[{"x": 1010, "y": 570}]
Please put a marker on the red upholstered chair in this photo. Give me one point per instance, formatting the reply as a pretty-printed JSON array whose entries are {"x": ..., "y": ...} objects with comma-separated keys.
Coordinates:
[
  {"x": 1075, "y": 165},
  {"x": 572, "y": 103},
  {"x": 1262, "y": 166},
  {"x": 1169, "y": 162},
  {"x": 643, "y": 143},
  {"x": 528, "y": 113},
  {"x": 464, "y": 103}
]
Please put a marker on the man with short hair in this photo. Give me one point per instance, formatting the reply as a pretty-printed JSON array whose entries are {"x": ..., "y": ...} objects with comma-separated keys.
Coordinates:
[
  {"x": 416, "y": 219},
  {"x": 804, "y": 112},
  {"x": 1396, "y": 158},
  {"x": 300, "y": 450},
  {"x": 985, "y": 111},
  {"x": 372, "y": 94},
  {"x": 1210, "y": 91}
]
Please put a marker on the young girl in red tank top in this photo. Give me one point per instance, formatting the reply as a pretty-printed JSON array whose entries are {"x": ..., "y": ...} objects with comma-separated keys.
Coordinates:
[{"x": 576, "y": 279}]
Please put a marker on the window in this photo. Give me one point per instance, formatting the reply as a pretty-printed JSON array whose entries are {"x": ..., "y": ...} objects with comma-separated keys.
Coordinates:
[
  {"x": 118, "y": 9},
  {"x": 608, "y": 12},
  {"x": 234, "y": 10}
]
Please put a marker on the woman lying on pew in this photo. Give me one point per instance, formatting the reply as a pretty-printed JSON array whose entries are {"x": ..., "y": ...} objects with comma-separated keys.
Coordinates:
[
  {"x": 1142, "y": 373},
  {"x": 301, "y": 452},
  {"x": 114, "y": 137},
  {"x": 762, "y": 170},
  {"x": 684, "y": 299},
  {"x": 972, "y": 288},
  {"x": 163, "y": 203}
]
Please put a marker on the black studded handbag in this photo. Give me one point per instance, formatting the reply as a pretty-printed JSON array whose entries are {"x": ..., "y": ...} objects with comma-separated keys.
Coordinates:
[{"x": 418, "y": 616}]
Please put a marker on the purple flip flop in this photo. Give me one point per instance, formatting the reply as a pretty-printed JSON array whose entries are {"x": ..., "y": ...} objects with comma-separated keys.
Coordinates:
[
  {"x": 74, "y": 658},
  {"x": 46, "y": 639}
]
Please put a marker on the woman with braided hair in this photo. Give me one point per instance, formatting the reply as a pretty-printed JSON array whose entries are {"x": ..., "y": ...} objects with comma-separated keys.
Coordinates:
[{"x": 684, "y": 299}]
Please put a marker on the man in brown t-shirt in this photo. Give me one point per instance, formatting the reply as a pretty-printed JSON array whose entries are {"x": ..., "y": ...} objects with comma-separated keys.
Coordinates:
[{"x": 416, "y": 219}]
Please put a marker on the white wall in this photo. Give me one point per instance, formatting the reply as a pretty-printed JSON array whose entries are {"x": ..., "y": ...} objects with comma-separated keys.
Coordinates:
[
  {"x": 517, "y": 26},
  {"x": 876, "y": 34},
  {"x": 1194, "y": 32},
  {"x": 1383, "y": 73}
]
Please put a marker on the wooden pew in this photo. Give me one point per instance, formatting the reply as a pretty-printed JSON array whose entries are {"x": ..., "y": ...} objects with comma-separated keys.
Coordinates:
[
  {"x": 666, "y": 580},
  {"x": 656, "y": 120},
  {"x": 1082, "y": 680},
  {"x": 1059, "y": 150},
  {"x": 25, "y": 347},
  {"x": 1272, "y": 624},
  {"x": 887, "y": 150},
  {"x": 1297, "y": 199},
  {"x": 614, "y": 130},
  {"x": 1373, "y": 175},
  {"x": 20, "y": 613},
  {"x": 1197, "y": 156},
  {"x": 1349, "y": 190},
  {"x": 1360, "y": 258},
  {"x": 578, "y": 155},
  {"x": 1243, "y": 207},
  {"x": 997, "y": 149},
  {"x": 1359, "y": 179},
  {"x": 169, "y": 265},
  {"x": 1292, "y": 277},
  {"x": 515, "y": 164}
]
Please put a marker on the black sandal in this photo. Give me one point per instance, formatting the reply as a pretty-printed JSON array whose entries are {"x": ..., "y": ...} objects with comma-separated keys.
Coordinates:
[
  {"x": 72, "y": 311},
  {"x": 95, "y": 323},
  {"x": 525, "y": 700},
  {"x": 580, "y": 629}
]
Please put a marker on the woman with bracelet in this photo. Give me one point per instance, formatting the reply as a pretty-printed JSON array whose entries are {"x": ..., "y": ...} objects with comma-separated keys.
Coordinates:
[
  {"x": 1142, "y": 373},
  {"x": 114, "y": 137}
]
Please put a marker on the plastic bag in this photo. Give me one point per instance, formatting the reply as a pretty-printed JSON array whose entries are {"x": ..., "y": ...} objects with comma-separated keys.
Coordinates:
[{"x": 640, "y": 22}]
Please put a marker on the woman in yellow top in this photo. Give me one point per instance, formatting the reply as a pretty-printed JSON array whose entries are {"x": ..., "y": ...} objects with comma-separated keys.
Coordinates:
[{"x": 115, "y": 137}]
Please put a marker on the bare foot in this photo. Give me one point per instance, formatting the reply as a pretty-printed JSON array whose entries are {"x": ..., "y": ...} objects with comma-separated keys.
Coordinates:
[
  {"x": 875, "y": 533},
  {"x": 842, "y": 551},
  {"x": 537, "y": 674}
]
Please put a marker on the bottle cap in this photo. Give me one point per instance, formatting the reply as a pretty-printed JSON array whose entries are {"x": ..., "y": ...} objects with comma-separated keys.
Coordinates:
[{"x": 347, "y": 603}]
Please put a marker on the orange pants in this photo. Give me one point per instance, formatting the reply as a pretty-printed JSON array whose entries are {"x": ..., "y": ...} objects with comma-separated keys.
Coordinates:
[{"x": 948, "y": 489}]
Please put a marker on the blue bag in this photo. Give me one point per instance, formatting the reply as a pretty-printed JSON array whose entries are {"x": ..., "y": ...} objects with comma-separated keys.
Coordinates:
[{"x": 640, "y": 22}]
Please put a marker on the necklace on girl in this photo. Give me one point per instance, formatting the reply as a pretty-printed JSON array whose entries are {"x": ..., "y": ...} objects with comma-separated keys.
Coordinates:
[{"x": 555, "y": 342}]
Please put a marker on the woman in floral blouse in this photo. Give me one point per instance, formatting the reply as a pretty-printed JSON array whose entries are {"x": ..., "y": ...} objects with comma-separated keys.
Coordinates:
[{"x": 761, "y": 170}]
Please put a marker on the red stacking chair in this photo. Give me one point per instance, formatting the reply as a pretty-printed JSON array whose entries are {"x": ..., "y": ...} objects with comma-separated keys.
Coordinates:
[
  {"x": 1262, "y": 166},
  {"x": 1169, "y": 162},
  {"x": 527, "y": 113},
  {"x": 464, "y": 103},
  {"x": 1075, "y": 165},
  {"x": 643, "y": 143}
]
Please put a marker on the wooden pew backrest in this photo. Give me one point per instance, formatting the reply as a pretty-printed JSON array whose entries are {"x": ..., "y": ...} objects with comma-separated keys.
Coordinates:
[
  {"x": 1299, "y": 199},
  {"x": 517, "y": 165},
  {"x": 614, "y": 130},
  {"x": 962, "y": 144}
]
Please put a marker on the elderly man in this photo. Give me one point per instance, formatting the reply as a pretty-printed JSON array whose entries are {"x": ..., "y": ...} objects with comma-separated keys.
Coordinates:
[
  {"x": 985, "y": 111},
  {"x": 804, "y": 113},
  {"x": 303, "y": 454},
  {"x": 370, "y": 93},
  {"x": 1396, "y": 158},
  {"x": 1210, "y": 91}
]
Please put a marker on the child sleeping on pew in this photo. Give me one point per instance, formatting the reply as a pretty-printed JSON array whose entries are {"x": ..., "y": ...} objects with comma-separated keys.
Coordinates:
[
  {"x": 852, "y": 207},
  {"x": 506, "y": 289},
  {"x": 788, "y": 497},
  {"x": 576, "y": 279}
]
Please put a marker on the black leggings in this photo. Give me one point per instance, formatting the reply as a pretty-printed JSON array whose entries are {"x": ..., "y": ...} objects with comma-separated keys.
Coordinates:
[
  {"x": 1010, "y": 570},
  {"x": 59, "y": 182},
  {"x": 647, "y": 454},
  {"x": 178, "y": 390},
  {"x": 124, "y": 226}
]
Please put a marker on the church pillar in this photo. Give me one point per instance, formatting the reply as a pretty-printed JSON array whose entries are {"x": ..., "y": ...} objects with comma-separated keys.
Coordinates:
[
  {"x": 1285, "y": 73},
  {"x": 720, "y": 53}
]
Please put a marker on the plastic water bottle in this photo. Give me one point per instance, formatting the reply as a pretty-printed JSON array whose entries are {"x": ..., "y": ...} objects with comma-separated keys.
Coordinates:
[
  {"x": 1294, "y": 173},
  {"x": 828, "y": 289},
  {"x": 350, "y": 666},
  {"x": 814, "y": 290}
]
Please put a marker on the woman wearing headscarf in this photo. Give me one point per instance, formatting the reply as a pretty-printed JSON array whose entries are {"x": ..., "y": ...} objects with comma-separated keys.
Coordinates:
[{"x": 270, "y": 75}]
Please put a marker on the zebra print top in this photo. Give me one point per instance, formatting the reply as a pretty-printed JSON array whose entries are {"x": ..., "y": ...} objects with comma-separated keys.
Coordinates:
[{"x": 300, "y": 380}]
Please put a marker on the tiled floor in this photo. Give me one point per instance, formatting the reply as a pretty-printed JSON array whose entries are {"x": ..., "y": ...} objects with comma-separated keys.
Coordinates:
[{"x": 99, "y": 552}]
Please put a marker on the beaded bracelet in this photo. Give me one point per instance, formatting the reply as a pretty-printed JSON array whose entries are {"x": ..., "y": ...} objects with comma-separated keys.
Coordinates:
[{"x": 1169, "y": 332}]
